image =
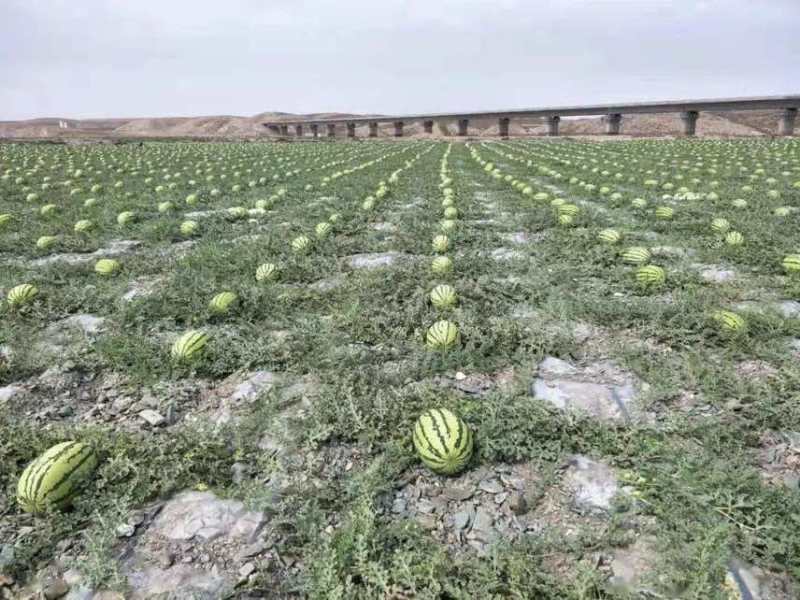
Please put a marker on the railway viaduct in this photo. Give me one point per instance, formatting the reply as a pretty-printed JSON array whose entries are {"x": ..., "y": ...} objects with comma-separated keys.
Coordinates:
[{"x": 689, "y": 111}]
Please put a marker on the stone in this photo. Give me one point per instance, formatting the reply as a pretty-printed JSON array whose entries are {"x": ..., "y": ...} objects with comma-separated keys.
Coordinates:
[
  {"x": 555, "y": 366},
  {"x": 141, "y": 288},
  {"x": 328, "y": 284},
  {"x": 374, "y": 261},
  {"x": 246, "y": 570},
  {"x": 491, "y": 486},
  {"x": 632, "y": 566},
  {"x": 125, "y": 530},
  {"x": 427, "y": 521},
  {"x": 252, "y": 550},
  {"x": 594, "y": 484},
  {"x": 179, "y": 581},
  {"x": 482, "y": 525},
  {"x": 153, "y": 418},
  {"x": 53, "y": 588},
  {"x": 519, "y": 237},
  {"x": 83, "y": 592},
  {"x": 461, "y": 519},
  {"x": 459, "y": 494},
  {"x": 88, "y": 324},
  {"x": 600, "y": 389},
  {"x": 517, "y": 503},
  {"x": 202, "y": 516},
  {"x": 790, "y": 309},
  {"x": 115, "y": 248},
  {"x": 399, "y": 506},
  {"x": 390, "y": 227},
  {"x": 503, "y": 254},
  {"x": 255, "y": 384},
  {"x": 6, "y": 555},
  {"x": 9, "y": 392},
  {"x": 717, "y": 275},
  {"x": 672, "y": 251}
]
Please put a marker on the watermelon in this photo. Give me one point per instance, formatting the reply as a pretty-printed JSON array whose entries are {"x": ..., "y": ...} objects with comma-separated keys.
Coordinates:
[
  {"x": 189, "y": 345},
  {"x": 441, "y": 243},
  {"x": 266, "y": 272},
  {"x": 442, "y": 335},
  {"x": 52, "y": 480},
  {"x": 21, "y": 294},
  {"x": 444, "y": 296},
  {"x": 443, "y": 441},
  {"x": 106, "y": 266}
]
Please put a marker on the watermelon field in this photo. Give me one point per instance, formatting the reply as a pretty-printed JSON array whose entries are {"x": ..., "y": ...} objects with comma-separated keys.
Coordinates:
[{"x": 401, "y": 369}]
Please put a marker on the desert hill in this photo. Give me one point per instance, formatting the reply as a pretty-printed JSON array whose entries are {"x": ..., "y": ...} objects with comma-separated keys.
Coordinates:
[{"x": 743, "y": 123}]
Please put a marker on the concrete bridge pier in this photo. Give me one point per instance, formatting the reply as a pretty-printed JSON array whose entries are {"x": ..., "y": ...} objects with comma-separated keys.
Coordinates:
[
  {"x": 788, "y": 119},
  {"x": 463, "y": 126},
  {"x": 373, "y": 129},
  {"x": 552, "y": 125},
  {"x": 398, "y": 129},
  {"x": 613, "y": 123},
  {"x": 689, "y": 118},
  {"x": 331, "y": 130},
  {"x": 502, "y": 124},
  {"x": 427, "y": 126},
  {"x": 351, "y": 130},
  {"x": 314, "y": 129},
  {"x": 284, "y": 130},
  {"x": 298, "y": 130}
]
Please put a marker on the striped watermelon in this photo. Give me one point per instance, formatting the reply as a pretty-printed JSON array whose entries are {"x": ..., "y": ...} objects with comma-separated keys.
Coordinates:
[
  {"x": 322, "y": 230},
  {"x": 734, "y": 238},
  {"x": 443, "y": 441},
  {"x": 729, "y": 321},
  {"x": 650, "y": 276},
  {"x": 441, "y": 264},
  {"x": 301, "y": 244},
  {"x": 126, "y": 217},
  {"x": 267, "y": 272},
  {"x": 636, "y": 255},
  {"x": 441, "y": 243},
  {"x": 566, "y": 220},
  {"x": 222, "y": 302},
  {"x": 106, "y": 266},
  {"x": 568, "y": 209},
  {"x": 609, "y": 236},
  {"x": 189, "y": 228},
  {"x": 443, "y": 296},
  {"x": 442, "y": 335},
  {"x": 46, "y": 241},
  {"x": 83, "y": 226},
  {"x": 54, "y": 477},
  {"x": 792, "y": 263},
  {"x": 665, "y": 212},
  {"x": 720, "y": 225},
  {"x": 21, "y": 294},
  {"x": 189, "y": 344}
]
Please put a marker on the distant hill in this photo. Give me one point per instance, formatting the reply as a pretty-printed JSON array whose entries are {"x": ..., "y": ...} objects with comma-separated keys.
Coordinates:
[{"x": 742, "y": 123}]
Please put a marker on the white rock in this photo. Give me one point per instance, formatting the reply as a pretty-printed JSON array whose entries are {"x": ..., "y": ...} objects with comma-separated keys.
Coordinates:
[
  {"x": 374, "y": 261},
  {"x": 8, "y": 392},
  {"x": 255, "y": 384},
  {"x": 203, "y": 517},
  {"x": 593, "y": 483},
  {"x": 152, "y": 417}
]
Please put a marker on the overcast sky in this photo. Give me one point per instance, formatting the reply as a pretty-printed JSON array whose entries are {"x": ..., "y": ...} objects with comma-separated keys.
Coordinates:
[{"x": 126, "y": 58}]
